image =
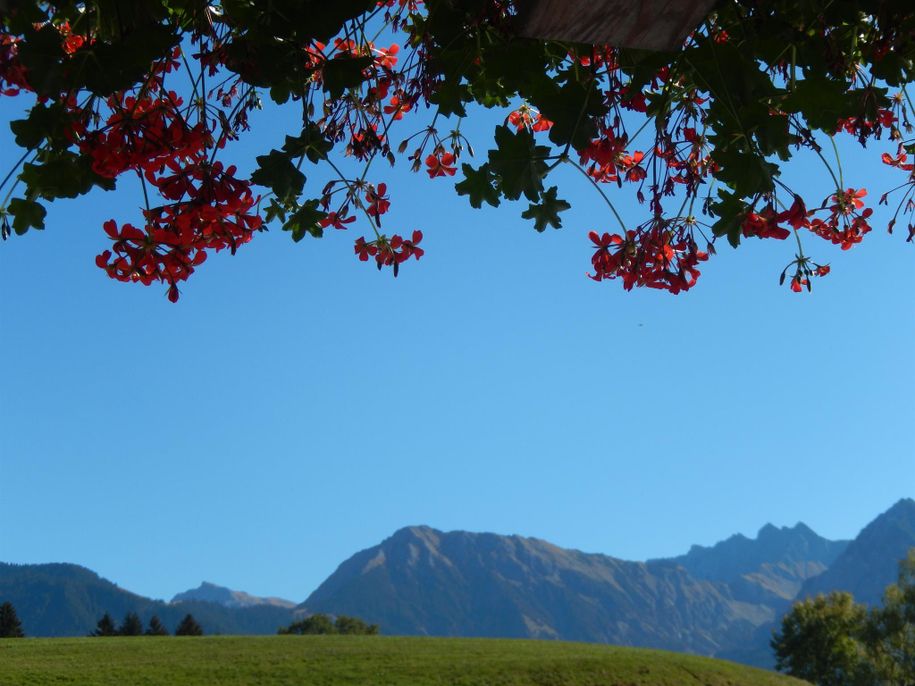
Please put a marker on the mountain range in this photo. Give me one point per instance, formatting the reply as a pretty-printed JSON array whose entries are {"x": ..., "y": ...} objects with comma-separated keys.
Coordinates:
[
  {"x": 68, "y": 600},
  {"x": 723, "y": 600},
  {"x": 211, "y": 593}
]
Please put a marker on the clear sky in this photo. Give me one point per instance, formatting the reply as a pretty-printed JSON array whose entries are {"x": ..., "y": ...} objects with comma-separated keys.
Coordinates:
[{"x": 297, "y": 406}]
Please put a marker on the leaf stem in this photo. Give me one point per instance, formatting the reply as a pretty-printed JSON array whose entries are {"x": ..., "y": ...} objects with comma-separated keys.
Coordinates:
[{"x": 601, "y": 191}]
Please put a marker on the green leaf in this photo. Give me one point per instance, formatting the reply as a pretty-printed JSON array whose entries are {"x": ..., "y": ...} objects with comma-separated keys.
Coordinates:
[
  {"x": 305, "y": 221},
  {"x": 277, "y": 172},
  {"x": 730, "y": 210},
  {"x": 342, "y": 73},
  {"x": 572, "y": 108},
  {"x": 104, "y": 67},
  {"x": 478, "y": 184},
  {"x": 519, "y": 163},
  {"x": 62, "y": 175},
  {"x": 546, "y": 212},
  {"x": 26, "y": 214},
  {"x": 821, "y": 101},
  {"x": 275, "y": 210},
  {"x": 42, "y": 53},
  {"x": 311, "y": 143},
  {"x": 450, "y": 97},
  {"x": 773, "y": 135},
  {"x": 45, "y": 122},
  {"x": 747, "y": 173}
]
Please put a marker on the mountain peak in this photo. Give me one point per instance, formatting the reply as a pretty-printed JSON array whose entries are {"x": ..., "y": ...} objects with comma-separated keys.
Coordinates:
[
  {"x": 768, "y": 529},
  {"x": 903, "y": 506},
  {"x": 424, "y": 581},
  {"x": 800, "y": 530},
  {"x": 420, "y": 531},
  {"x": 776, "y": 562},
  {"x": 209, "y": 592},
  {"x": 869, "y": 564}
]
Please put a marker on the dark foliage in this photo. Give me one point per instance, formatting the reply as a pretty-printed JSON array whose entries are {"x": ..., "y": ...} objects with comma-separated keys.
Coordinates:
[
  {"x": 189, "y": 627},
  {"x": 323, "y": 624},
  {"x": 156, "y": 628},
  {"x": 10, "y": 626},
  {"x": 132, "y": 626},
  {"x": 105, "y": 626}
]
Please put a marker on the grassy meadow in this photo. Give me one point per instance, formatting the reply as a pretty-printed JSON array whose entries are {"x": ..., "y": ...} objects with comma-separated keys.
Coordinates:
[{"x": 345, "y": 660}]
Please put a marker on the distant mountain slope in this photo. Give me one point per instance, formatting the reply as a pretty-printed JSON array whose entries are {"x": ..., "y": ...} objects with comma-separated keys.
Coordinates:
[
  {"x": 870, "y": 563},
  {"x": 722, "y": 600},
  {"x": 67, "y": 600},
  {"x": 423, "y": 581},
  {"x": 768, "y": 568},
  {"x": 211, "y": 593},
  {"x": 865, "y": 568}
]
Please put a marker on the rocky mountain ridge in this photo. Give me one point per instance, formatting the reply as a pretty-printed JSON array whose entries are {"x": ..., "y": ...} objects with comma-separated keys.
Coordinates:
[
  {"x": 211, "y": 593},
  {"x": 720, "y": 600},
  {"x": 61, "y": 599}
]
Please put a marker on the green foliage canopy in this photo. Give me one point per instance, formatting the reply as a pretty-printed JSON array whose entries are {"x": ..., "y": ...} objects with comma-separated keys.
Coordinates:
[
  {"x": 188, "y": 627},
  {"x": 10, "y": 626},
  {"x": 832, "y": 641},
  {"x": 322, "y": 624},
  {"x": 700, "y": 135},
  {"x": 105, "y": 626},
  {"x": 156, "y": 628}
]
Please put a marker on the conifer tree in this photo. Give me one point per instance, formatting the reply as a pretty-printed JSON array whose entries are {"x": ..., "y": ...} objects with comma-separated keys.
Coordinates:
[
  {"x": 189, "y": 627},
  {"x": 156, "y": 628},
  {"x": 131, "y": 626},
  {"x": 105, "y": 627},
  {"x": 10, "y": 626}
]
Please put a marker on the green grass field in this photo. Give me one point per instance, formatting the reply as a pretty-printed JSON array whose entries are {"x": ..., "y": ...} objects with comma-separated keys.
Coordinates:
[{"x": 339, "y": 660}]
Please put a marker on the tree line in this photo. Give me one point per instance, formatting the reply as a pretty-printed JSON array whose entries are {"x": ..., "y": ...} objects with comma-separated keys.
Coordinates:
[
  {"x": 323, "y": 624},
  {"x": 10, "y": 626},
  {"x": 831, "y": 640},
  {"x": 133, "y": 626}
]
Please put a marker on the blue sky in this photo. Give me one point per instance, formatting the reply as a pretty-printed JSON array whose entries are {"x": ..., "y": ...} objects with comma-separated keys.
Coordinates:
[{"x": 297, "y": 405}]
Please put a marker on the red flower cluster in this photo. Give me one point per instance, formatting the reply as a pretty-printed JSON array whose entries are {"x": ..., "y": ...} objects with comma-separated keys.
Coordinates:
[
  {"x": 212, "y": 211},
  {"x": 602, "y": 157},
  {"x": 630, "y": 164},
  {"x": 846, "y": 223},
  {"x": 338, "y": 220},
  {"x": 377, "y": 201},
  {"x": 528, "y": 118},
  {"x": 765, "y": 224},
  {"x": 864, "y": 128},
  {"x": 805, "y": 270},
  {"x": 659, "y": 254},
  {"x": 900, "y": 161},
  {"x": 440, "y": 163},
  {"x": 142, "y": 134},
  {"x": 390, "y": 252},
  {"x": 71, "y": 41},
  {"x": 12, "y": 73}
]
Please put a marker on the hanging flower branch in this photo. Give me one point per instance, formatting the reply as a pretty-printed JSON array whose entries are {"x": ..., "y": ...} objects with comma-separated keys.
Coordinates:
[{"x": 698, "y": 135}]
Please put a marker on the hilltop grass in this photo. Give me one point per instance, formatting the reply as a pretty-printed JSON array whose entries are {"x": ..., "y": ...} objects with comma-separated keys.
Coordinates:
[{"x": 362, "y": 660}]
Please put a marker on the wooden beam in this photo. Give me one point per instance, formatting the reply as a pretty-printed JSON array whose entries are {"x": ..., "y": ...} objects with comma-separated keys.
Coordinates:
[{"x": 649, "y": 25}]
